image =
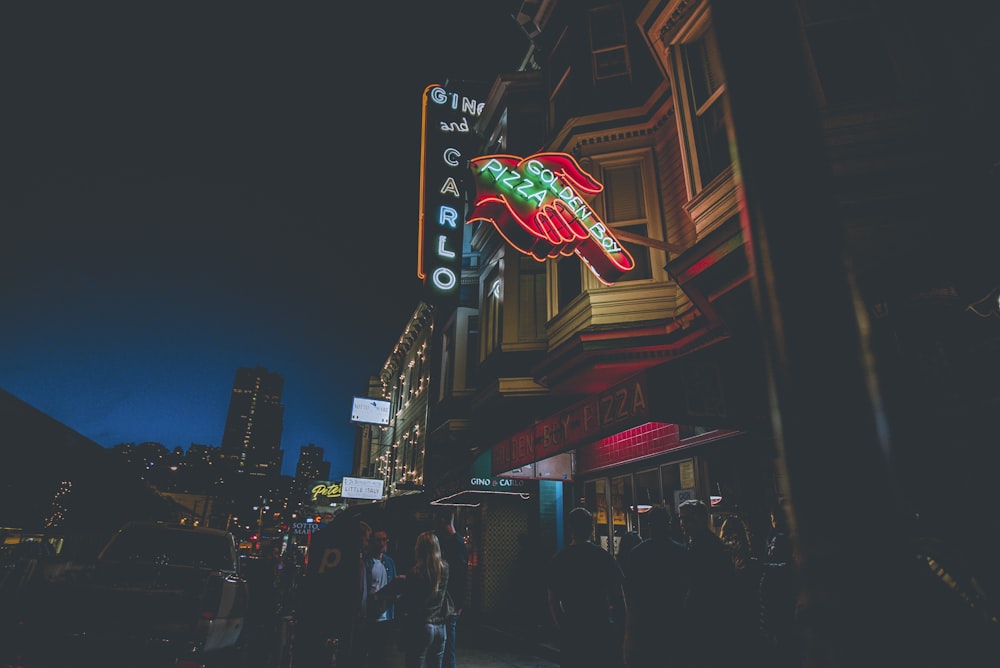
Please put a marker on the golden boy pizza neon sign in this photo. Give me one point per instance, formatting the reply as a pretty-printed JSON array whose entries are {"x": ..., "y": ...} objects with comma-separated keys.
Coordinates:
[{"x": 539, "y": 205}]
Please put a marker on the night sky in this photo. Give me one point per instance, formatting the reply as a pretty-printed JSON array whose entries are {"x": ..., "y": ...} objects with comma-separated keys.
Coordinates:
[{"x": 188, "y": 188}]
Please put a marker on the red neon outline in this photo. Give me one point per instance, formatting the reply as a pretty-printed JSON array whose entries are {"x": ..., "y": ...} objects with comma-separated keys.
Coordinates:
[{"x": 550, "y": 230}]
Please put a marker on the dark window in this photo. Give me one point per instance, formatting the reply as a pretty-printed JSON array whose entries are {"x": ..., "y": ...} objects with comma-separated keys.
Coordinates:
[
  {"x": 643, "y": 267},
  {"x": 568, "y": 276},
  {"x": 608, "y": 43},
  {"x": 472, "y": 350},
  {"x": 625, "y": 201},
  {"x": 706, "y": 83},
  {"x": 531, "y": 301}
]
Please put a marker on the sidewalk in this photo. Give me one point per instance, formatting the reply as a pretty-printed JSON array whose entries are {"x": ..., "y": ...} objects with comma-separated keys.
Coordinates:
[{"x": 481, "y": 645}]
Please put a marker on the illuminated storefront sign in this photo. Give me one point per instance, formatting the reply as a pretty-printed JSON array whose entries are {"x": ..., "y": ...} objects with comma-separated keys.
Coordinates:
[
  {"x": 617, "y": 408},
  {"x": 362, "y": 488},
  {"x": 447, "y": 142},
  {"x": 539, "y": 204},
  {"x": 305, "y": 528},
  {"x": 496, "y": 483},
  {"x": 325, "y": 490}
]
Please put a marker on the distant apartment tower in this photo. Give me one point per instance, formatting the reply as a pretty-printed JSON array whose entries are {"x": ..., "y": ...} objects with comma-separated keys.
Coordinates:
[
  {"x": 251, "y": 442},
  {"x": 308, "y": 470},
  {"x": 202, "y": 455}
]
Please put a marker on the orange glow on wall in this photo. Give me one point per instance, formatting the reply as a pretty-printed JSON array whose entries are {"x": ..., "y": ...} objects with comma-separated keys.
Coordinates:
[{"x": 540, "y": 206}]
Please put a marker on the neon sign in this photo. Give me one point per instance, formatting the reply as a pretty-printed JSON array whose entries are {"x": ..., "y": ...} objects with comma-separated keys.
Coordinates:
[
  {"x": 446, "y": 137},
  {"x": 329, "y": 490},
  {"x": 539, "y": 204}
]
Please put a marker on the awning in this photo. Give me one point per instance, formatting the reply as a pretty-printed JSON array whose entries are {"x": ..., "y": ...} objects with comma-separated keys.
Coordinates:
[
  {"x": 719, "y": 386},
  {"x": 477, "y": 484}
]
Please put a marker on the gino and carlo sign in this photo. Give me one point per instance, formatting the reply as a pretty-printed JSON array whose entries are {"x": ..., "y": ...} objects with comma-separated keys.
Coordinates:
[{"x": 447, "y": 140}]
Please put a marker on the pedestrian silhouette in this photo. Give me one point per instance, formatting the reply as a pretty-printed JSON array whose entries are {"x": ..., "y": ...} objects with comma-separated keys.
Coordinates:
[
  {"x": 423, "y": 604},
  {"x": 381, "y": 640},
  {"x": 625, "y": 545},
  {"x": 746, "y": 588},
  {"x": 456, "y": 553},
  {"x": 585, "y": 597},
  {"x": 335, "y": 571},
  {"x": 657, "y": 578},
  {"x": 709, "y": 622},
  {"x": 778, "y": 595},
  {"x": 528, "y": 606}
]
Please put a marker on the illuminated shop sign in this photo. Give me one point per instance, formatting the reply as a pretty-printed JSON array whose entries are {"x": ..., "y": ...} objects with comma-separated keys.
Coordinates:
[
  {"x": 305, "y": 528},
  {"x": 370, "y": 411},
  {"x": 362, "y": 488},
  {"x": 539, "y": 204},
  {"x": 609, "y": 412},
  {"x": 496, "y": 483},
  {"x": 325, "y": 490},
  {"x": 447, "y": 142}
]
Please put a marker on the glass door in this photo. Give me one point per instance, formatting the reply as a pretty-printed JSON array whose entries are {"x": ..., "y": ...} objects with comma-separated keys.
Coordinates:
[
  {"x": 595, "y": 499},
  {"x": 622, "y": 500},
  {"x": 647, "y": 495}
]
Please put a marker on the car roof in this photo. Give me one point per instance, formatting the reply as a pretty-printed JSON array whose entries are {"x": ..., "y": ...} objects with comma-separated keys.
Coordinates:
[{"x": 173, "y": 526}]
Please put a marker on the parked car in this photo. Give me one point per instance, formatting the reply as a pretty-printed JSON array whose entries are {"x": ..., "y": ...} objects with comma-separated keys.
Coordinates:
[{"x": 159, "y": 593}]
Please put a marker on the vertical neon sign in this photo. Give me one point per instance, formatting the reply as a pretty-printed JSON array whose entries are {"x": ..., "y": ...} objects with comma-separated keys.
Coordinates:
[{"x": 447, "y": 140}]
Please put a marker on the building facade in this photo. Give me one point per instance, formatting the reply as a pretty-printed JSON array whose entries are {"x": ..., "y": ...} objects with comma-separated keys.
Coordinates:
[{"x": 808, "y": 231}]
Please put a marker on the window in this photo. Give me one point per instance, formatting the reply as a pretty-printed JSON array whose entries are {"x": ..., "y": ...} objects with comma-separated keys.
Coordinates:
[
  {"x": 492, "y": 311},
  {"x": 531, "y": 302},
  {"x": 595, "y": 499},
  {"x": 472, "y": 350},
  {"x": 447, "y": 366},
  {"x": 678, "y": 483},
  {"x": 569, "y": 280},
  {"x": 621, "y": 501},
  {"x": 647, "y": 494},
  {"x": 608, "y": 43},
  {"x": 625, "y": 208},
  {"x": 706, "y": 87}
]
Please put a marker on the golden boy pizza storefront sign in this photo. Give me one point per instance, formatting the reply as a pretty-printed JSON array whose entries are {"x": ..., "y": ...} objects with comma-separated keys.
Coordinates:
[
  {"x": 619, "y": 407},
  {"x": 540, "y": 206}
]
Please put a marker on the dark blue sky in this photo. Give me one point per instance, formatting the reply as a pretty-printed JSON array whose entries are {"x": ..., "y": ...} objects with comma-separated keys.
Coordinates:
[{"x": 186, "y": 190}]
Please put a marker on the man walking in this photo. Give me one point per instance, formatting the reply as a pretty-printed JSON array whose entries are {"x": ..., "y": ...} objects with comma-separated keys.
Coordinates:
[
  {"x": 382, "y": 612},
  {"x": 710, "y": 608},
  {"x": 657, "y": 580},
  {"x": 585, "y": 598},
  {"x": 455, "y": 552}
]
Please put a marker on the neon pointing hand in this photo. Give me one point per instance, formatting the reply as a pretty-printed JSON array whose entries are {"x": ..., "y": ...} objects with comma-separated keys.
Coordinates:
[{"x": 537, "y": 204}]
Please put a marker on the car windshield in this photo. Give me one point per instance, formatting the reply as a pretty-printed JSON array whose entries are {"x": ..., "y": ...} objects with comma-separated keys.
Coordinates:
[{"x": 164, "y": 546}]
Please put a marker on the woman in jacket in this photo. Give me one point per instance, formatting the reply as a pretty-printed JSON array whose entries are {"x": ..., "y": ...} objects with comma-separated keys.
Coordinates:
[{"x": 422, "y": 604}]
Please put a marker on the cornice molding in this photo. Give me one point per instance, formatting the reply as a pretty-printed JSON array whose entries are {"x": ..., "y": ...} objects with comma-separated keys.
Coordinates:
[{"x": 674, "y": 20}]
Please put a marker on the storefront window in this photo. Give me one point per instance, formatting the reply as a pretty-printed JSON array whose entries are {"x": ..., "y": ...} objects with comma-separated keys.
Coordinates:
[
  {"x": 596, "y": 501},
  {"x": 678, "y": 483},
  {"x": 647, "y": 494},
  {"x": 622, "y": 500}
]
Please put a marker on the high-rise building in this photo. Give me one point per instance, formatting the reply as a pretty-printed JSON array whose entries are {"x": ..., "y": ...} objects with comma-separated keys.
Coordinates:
[
  {"x": 251, "y": 442},
  {"x": 308, "y": 470}
]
